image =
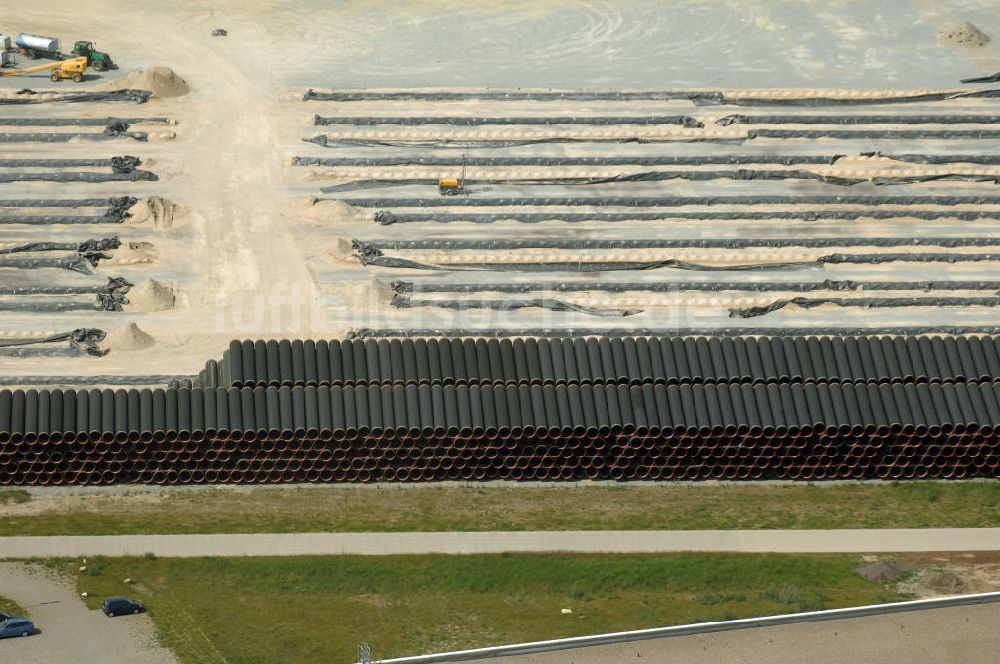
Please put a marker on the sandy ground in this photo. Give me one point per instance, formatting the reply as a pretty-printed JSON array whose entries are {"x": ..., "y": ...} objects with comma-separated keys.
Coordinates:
[
  {"x": 249, "y": 256},
  {"x": 69, "y": 631}
]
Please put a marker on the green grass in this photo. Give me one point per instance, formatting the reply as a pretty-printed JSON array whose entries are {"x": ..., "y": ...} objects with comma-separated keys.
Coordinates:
[
  {"x": 14, "y": 496},
  {"x": 622, "y": 507},
  {"x": 10, "y": 606},
  {"x": 243, "y": 610}
]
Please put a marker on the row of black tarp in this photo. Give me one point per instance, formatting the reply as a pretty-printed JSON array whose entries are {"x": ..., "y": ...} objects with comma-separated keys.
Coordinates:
[
  {"x": 341, "y": 413},
  {"x": 26, "y": 96},
  {"x": 607, "y": 360},
  {"x": 386, "y": 217},
  {"x": 684, "y": 120},
  {"x": 400, "y": 287},
  {"x": 116, "y": 212},
  {"x": 702, "y": 98}
]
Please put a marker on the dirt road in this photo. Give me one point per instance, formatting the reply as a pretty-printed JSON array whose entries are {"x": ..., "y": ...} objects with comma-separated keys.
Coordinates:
[
  {"x": 297, "y": 544},
  {"x": 70, "y": 632}
]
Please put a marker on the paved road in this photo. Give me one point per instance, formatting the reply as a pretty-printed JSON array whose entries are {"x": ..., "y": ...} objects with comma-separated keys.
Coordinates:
[
  {"x": 750, "y": 541},
  {"x": 964, "y": 634},
  {"x": 70, "y": 632}
]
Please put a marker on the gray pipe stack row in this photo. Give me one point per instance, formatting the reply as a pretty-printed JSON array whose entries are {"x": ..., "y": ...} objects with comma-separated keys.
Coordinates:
[
  {"x": 402, "y": 433},
  {"x": 606, "y": 361},
  {"x": 621, "y": 408}
]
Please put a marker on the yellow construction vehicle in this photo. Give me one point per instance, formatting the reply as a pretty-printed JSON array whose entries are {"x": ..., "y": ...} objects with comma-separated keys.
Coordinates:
[
  {"x": 453, "y": 186},
  {"x": 73, "y": 68}
]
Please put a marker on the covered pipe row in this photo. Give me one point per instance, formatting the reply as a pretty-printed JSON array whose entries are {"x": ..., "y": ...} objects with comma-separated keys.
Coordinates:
[
  {"x": 607, "y": 361},
  {"x": 621, "y": 458},
  {"x": 497, "y": 412}
]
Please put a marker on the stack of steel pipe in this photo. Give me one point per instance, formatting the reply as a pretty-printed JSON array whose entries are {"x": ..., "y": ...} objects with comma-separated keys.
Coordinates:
[
  {"x": 607, "y": 360},
  {"x": 540, "y": 431}
]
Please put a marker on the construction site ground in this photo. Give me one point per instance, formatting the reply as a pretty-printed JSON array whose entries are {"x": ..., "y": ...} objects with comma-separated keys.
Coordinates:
[{"x": 248, "y": 253}]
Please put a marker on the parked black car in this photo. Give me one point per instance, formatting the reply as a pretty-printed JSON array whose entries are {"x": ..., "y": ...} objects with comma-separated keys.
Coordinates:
[{"x": 118, "y": 606}]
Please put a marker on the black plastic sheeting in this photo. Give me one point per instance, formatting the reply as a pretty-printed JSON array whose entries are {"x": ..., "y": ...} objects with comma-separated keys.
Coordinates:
[
  {"x": 693, "y": 160},
  {"x": 83, "y": 340},
  {"x": 386, "y": 218},
  {"x": 865, "y": 303},
  {"x": 108, "y": 297},
  {"x": 699, "y": 160},
  {"x": 77, "y": 262},
  {"x": 680, "y": 286},
  {"x": 78, "y": 122},
  {"x": 97, "y": 379},
  {"x": 705, "y": 98},
  {"x": 26, "y": 96},
  {"x": 683, "y": 120},
  {"x": 134, "y": 175},
  {"x": 83, "y": 258},
  {"x": 857, "y": 119},
  {"x": 580, "y": 265},
  {"x": 888, "y": 134},
  {"x": 653, "y": 176},
  {"x": 448, "y": 143},
  {"x": 103, "y": 244},
  {"x": 56, "y": 202},
  {"x": 67, "y": 136},
  {"x": 631, "y": 359},
  {"x": 117, "y": 211},
  {"x": 452, "y": 332},
  {"x": 992, "y": 78},
  {"x": 985, "y": 159},
  {"x": 124, "y": 163},
  {"x": 552, "y": 304},
  {"x": 669, "y": 201},
  {"x": 454, "y": 244}
]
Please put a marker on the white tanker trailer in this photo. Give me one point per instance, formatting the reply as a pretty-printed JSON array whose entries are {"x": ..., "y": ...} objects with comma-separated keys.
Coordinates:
[{"x": 36, "y": 46}]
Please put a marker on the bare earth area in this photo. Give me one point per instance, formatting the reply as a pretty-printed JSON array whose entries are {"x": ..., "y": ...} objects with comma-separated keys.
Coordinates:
[
  {"x": 248, "y": 255},
  {"x": 70, "y": 632}
]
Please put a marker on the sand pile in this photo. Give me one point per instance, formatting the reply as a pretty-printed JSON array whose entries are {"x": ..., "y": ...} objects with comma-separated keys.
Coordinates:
[
  {"x": 337, "y": 212},
  {"x": 133, "y": 253},
  {"x": 155, "y": 211},
  {"x": 964, "y": 34},
  {"x": 161, "y": 81},
  {"x": 151, "y": 295},
  {"x": 128, "y": 338},
  {"x": 942, "y": 583}
]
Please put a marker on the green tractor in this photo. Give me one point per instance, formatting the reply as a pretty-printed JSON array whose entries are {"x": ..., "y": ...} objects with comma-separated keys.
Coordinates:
[{"x": 96, "y": 59}]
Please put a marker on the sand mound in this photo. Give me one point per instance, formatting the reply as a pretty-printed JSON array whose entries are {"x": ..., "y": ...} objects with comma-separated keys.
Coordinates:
[
  {"x": 337, "y": 212},
  {"x": 944, "y": 583},
  {"x": 133, "y": 253},
  {"x": 128, "y": 338},
  {"x": 151, "y": 295},
  {"x": 153, "y": 210},
  {"x": 964, "y": 34},
  {"x": 161, "y": 81}
]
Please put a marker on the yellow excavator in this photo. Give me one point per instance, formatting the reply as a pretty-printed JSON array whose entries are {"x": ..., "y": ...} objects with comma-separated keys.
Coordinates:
[{"x": 73, "y": 68}]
